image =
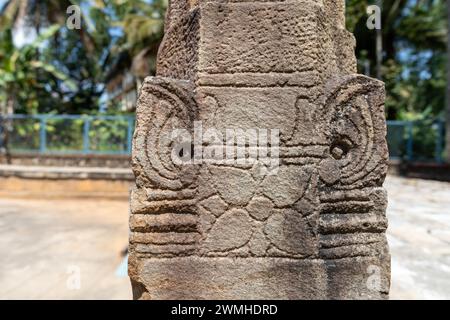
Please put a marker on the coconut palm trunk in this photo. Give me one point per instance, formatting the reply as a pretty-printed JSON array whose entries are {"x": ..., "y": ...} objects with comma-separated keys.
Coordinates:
[
  {"x": 5, "y": 122},
  {"x": 448, "y": 86}
]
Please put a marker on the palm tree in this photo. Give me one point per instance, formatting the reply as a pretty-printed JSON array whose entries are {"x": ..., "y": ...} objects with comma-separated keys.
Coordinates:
[{"x": 143, "y": 26}]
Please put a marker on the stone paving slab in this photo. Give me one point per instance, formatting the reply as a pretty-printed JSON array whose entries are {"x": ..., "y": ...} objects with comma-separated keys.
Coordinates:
[
  {"x": 419, "y": 238},
  {"x": 44, "y": 242}
]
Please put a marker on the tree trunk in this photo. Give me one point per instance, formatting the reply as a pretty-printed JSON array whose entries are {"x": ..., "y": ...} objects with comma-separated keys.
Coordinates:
[
  {"x": 379, "y": 47},
  {"x": 2, "y": 129},
  {"x": 448, "y": 86},
  {"x": 5, "y": 123}
]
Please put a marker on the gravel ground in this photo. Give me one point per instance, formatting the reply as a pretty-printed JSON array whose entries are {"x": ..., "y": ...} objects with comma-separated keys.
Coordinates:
[{"x": 72, "y": 249}]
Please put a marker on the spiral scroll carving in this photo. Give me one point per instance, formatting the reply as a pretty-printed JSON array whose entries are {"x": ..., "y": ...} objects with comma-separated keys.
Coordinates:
[
  {"x": 356, "y": 133},
  {"x": 172, "y": 109}
]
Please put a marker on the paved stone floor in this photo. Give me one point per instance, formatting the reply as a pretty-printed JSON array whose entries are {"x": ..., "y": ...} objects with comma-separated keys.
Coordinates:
[
  {"x": 71, "y": 249},
  {"x": 419, "y": 238},
  {"x": 45, "y": 245}
]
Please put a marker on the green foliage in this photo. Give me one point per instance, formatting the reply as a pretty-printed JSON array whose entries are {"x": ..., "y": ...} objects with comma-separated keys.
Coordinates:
[
  {"x": 141, "y": 21},
  {"x": 64, "y": 134},
  {"x": 37, "y": 14},
  {"x": 425, "y": 136},
  {"x": 355, "y": 11},
  {"x": 21, "y": 70},
  {"x": 67, "y": 71},
  {"x": 67, "y": 135},
  {"x": 414, "y": 56},
  {"x": 24, "y": 134},
  {"x": 107, "y": 135},
  {"x": 141, "y": 24}
]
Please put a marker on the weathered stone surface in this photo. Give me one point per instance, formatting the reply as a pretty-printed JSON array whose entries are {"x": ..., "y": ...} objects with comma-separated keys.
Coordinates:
[
  {"x": 291, "y": 183},
  {"x": 290, "y": 233},
  {"x": 231, "y": 231},
  {"x": 260, "y": 208},
  {"x": 305, "y": 219},
  {"x": 215, "y": 205},
  {"x": 239, "y": 187}
]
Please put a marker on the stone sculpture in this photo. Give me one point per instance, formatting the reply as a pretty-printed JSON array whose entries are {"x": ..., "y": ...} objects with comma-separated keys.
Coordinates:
[{"x": 311, "y": 228}]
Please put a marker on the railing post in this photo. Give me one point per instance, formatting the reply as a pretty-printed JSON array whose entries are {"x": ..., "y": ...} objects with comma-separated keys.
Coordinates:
[
  {"x": 86, "y": 142},
  {"x": 2, "y": 127},
  {"x": 43, "y": 134},
  {"x": 439, "y": 141},
  {"x": 130, "y": 134},
  {"x": 409, "y": 145}
]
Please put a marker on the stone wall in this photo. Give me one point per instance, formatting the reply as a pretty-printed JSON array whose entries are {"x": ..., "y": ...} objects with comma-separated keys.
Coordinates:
[{"x": 68, "y": 160}]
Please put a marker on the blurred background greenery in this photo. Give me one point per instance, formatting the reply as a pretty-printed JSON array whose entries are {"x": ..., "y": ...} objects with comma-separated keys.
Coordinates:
[
  {"x": 414, "y": 57},
  {"x": 68, "y": 71},
  {"x": 46, "y": 68}
]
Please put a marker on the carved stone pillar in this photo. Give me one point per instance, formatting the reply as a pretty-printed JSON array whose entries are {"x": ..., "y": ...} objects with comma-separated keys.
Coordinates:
[{"x": 310, "y": 227}]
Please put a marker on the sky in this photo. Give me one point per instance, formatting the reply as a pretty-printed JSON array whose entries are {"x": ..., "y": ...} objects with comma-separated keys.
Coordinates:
[{"x": 21, "y": 35}]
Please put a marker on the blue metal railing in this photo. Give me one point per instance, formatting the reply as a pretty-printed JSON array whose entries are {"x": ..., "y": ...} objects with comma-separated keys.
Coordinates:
[
  {"x": 416, "y": 140},
  {"x": 104, "y": 134},
  {"x": 70, "y": 134}
]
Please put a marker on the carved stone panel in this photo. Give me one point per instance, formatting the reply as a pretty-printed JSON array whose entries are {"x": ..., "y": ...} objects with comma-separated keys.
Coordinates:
[{"x": 259, "y": 158}]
